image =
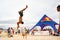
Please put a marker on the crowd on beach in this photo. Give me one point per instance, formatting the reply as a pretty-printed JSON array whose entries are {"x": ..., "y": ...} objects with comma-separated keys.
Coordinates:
[{"x": 11, "y": 31}]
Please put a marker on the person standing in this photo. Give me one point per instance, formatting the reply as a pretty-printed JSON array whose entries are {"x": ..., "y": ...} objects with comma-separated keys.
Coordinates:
[
  {"x": 12, "y": 32},
  {"x": 9, "y": 32},
  {"x": 58, "y": 9}
]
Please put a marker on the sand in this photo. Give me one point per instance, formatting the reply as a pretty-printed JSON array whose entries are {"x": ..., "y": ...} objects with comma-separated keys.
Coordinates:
[{"x": 30, "y": 37}]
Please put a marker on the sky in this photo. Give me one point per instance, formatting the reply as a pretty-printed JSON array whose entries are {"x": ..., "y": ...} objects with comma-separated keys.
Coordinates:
[{"x": 35, "y": 11}]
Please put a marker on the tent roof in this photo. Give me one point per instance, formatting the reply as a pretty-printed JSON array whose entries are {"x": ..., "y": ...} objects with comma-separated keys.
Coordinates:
[{"x": 45, "y": 20}]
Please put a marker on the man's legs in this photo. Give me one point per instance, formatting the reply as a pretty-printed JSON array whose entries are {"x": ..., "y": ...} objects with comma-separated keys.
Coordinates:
[
  {"x": 18, "y": 24},
  {"x": 20, "y": 21}
]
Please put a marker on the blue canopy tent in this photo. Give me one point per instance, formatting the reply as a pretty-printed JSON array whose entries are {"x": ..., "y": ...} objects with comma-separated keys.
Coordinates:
[{"x": 45, "y": 20}]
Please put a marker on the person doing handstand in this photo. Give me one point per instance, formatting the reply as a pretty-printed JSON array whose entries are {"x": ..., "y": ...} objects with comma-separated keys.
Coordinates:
[{"x": 20, "y": 17}]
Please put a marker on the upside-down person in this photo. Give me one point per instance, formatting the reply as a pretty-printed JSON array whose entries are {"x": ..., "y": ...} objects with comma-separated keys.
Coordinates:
[{"x": 20, "y": 17}]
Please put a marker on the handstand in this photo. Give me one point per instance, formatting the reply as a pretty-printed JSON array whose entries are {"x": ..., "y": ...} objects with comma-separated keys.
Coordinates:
[{"x": 20, "y": 17}]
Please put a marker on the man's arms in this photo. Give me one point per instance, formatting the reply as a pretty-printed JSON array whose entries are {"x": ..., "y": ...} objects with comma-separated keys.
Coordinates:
[{"x": 25, "y": 8}]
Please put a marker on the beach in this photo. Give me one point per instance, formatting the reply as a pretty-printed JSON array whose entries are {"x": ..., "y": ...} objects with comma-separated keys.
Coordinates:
[{"x": 30, "y": 37}]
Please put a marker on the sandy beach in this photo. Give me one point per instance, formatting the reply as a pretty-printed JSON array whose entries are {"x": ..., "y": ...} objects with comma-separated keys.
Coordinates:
[{"x": 30, "y": 37}]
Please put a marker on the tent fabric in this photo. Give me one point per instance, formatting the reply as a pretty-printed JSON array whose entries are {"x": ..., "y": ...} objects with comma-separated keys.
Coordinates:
[{"x": 45, "y": 20}]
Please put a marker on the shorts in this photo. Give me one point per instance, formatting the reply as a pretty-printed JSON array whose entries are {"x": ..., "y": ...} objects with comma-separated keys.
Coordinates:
[{"x": 21, "y": 14}]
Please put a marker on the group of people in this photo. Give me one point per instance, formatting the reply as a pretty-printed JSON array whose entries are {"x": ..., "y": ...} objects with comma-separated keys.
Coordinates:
[{"x": 10, "y": 32}]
